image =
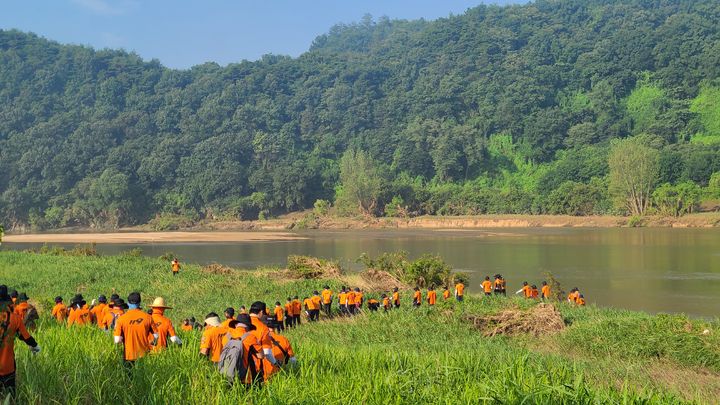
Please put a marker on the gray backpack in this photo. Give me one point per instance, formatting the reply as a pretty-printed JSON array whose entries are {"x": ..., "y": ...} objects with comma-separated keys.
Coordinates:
[{"x": 231, "y": 360}]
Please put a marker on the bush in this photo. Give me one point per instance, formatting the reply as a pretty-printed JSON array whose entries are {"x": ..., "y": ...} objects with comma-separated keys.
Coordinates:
[
  {"x": 321, "y": 208},
  {"x": 428, "y": 270},
  {"x": 396, "y": 208},
  {"x": 677, "y": 200},
  {"x": 635, "y": 221},
  {"x": 170, "y": 222}
]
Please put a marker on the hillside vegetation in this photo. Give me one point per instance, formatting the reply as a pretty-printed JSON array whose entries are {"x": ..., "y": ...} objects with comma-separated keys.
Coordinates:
[
  {"x": 512, "y": 109},
  {"x": 425, "y": 355}
]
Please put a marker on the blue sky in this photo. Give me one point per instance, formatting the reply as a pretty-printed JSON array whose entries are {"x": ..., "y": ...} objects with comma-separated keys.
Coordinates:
[{"x": 183, "y": 33}]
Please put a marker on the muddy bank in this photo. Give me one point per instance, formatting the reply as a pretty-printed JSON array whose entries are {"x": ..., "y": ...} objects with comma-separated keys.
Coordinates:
[{"x": 152, "y": 237}]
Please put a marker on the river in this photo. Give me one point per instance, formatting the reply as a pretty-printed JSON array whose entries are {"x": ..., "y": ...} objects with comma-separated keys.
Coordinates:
[{"x": 648, "y": 269}]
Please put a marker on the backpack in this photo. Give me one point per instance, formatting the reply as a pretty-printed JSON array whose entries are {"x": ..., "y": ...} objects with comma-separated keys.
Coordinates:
[
  {"x": 115, "y": 317},
  {"x": 231, "y": 360},
  {"x": 30, "y": 317},
  {"x": 286, "y": 358}
]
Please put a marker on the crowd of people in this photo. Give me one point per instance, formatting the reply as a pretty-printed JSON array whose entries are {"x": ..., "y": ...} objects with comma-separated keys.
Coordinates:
[{"x": 245, "y": 345}]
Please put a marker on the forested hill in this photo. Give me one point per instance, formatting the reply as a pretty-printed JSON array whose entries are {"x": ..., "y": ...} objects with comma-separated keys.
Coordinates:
[{"x": 501, "y": 109}]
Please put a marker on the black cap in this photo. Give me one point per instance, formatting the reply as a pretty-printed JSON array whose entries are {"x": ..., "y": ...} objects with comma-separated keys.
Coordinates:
[
  {"x": 134, "y": 298},
  {"x": 76, "y": 299},
  {"x": 102, "y": 299},
  {"x": 114, "y": 297},
  {"x": 58, "y": 299},
  {"x": 4, "y": 293},
  {"x": 13, "y": 293},
  {"x": 245, "y": 320},
  {"x": 22, "y": 297},
  {"x": 257, "y": 307},
  {"x": 230, "y": 312}
]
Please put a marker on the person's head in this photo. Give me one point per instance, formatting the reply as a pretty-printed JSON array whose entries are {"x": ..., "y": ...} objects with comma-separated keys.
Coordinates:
[
  {"x": 102, "y": 299},
  {"x": 432, "y": 287},
  {"x": 343, "y": 288},
  {"x": 242, "y": 308},
  {"x": 118, "y": 303},
  {"x": 582, "y": 296},
  {"x": 576, "y": 289},
  {"x": 149, "y": 311},
  {"x": 316, "y": 293},
  {"x": 4, "y": 296},
  {"x": 326, "y": 287},
  {"x": 243, "y": 321},
  {"x": 544, "y": 283},
  {"x": 212, "y": 320},
  {"x": 13, "y": 294},
  {"x": 289, "y": 299},
  {"x": 395, "y": 289},
  {"x": 175, "y": 259},
  {"x": 192, "y": 319},
  {"x": 186, "y": 321},
  {"x": 357, "y": 289},
  {"x": 22, "y": 297},
  {"x": 487, "y": 278},
  {"x": 258, "y": 308},
  {"x": 229, "y": 313},
  {"x": 114, "y": 296},
  {"x": 277, "y": 303},
  {"x": 58, "y": 299},
  {"x": 416, "y": 288},
  {"x": 534, "y": 287},
  {"x": 134, "y": 299},
  {"x": 384, "y": 296},
  {"x": 296, "y": 297},
  {"x": 525, "y": 283}
]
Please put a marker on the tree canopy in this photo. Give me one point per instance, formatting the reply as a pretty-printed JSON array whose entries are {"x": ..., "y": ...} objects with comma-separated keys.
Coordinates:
[{"x": 491, "y": 111}]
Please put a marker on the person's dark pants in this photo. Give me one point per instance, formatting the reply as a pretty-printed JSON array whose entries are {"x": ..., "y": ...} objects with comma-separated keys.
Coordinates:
[
  {"x": 416, "y": 304},
  {"x": 288, "y": 321},
  {"x": 175, "y": 273},
  {"x": 397, "y": 304},
  {"x": 373, "y": 307},
  {"x": 7, "y": 385},
  {"x": 314, "y": 315},
  {"x": 328, "y": 310},
  {"x": 459, "y": 298},
  {"x": 296, "y": 320},
  {"x": 487, "y": 294},
  {"x": 281, "y": 327}
]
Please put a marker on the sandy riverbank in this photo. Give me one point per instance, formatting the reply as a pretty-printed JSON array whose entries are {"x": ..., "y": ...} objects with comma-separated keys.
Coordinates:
[{"x": 152, "y": 237}]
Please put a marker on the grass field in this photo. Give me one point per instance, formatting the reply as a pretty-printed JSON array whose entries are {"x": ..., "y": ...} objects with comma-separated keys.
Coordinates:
[{"x": 425, "y": 355}]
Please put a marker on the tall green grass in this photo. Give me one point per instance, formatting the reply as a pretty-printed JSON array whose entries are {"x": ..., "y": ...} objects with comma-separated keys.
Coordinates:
[{"x": 425, "y": 355}]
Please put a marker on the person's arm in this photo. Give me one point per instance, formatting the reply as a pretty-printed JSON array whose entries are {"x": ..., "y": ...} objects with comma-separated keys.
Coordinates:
[
  {"x": 25, "y": 337},
  {"x": 117, "y": 334},
  {"x": 519, "y": 291},
  {"x": 173, "y": 336}
]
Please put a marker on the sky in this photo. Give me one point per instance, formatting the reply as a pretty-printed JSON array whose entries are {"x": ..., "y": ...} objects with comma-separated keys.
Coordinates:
[{"x": 184, "y": 33}]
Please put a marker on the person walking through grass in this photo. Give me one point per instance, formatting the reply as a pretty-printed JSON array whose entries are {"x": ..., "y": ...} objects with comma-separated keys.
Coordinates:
[
  {"x": 132, "y": 330},
  {"x": 545, "y": 291},
  {"x": 487, "y": 286},
  {"x": 459, "y": 291},
  {"x": 211, "y": 340},
  {"x": 431, "y": 296},
  {"x": 417, "y": 297},
  {"x": 327, "y": 297},
  {"x": 79, "y": 313},
  {"x": 175, "y": 266},
  {"x": 11, "y": 326},
  {"x": 59, "y": 311},
  {"x": 163, "y": 325}
]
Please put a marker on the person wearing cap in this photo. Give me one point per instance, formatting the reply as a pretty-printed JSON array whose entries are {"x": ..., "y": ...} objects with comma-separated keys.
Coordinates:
[
  {"x": 385, "y": 302},
  {"x": 132, "y": 330},
  {"x": 417, "y": 297},
  {"x": 211, "y": 341},
  {"x": 279, "y": 315},
  {"x": 164, "y": 326},
  {"x": 545, "y": 291},
  {"x": 242, "y": 310},
  {"x": 270, "y": 365},
  {"x": 79, "y": 313},
  {"x": 373, "y": 304},
  {"x": 459, "y": 291},
  {"x": 342, "y": 301},
  {"x": 350, "y": 301},
  {"x": 175, "y": 267},
  {"x": 14, "y": 296},
  {"x": 446, "y": 294},
  {"x": 499, "y": 285},
  {"x": 297, "y": 310},
  {"x": 115, "y": 311},
  {"x": 316, "y": 304},
  {"x": 59, "y": 311},
  {"x": 98, "y": 311},
  {"x": 12, "y": 326},
  {"x": 396, "y": 297},
  {"x": 359, "y": 300},
  {"x": 229, "y": 316},
  {"x": 327, "y": 297},
  {"x": 289, "y": 313},
  {"x": 282, "y": 350},
  {"x": 241, "y": 329}
]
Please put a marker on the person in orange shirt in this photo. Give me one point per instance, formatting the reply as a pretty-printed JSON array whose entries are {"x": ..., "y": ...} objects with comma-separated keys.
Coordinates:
[
  {"x": 163, "y": 326},
  {"x": 373, "y": 304},
  {"x": 431, "y": 296},
  {"x": 115, "y": 311},
  {"x": 386, "y": 302},
  {"x": 97, "y": 312},
  {"x": 211, "y": 341},
  {"x": 132, "y": 330},
  {"x": 499, "y": 285},
  {"x": 574, "y": 295},
  {"x": 175, "y": 267},
  {"x": 59, "y": 311},
  {"x": 342, "y": 301},
  {"x": 525, "y": 290},
  {"x": 282, "y": 350},
  {"x": 186, "y": 325},
  {"x": 417, "y": 297},
  {"x": 229, "y": 317},
  {"x": 580, "y": 300},
  {"x": 396, "y": 297},
  {"x": 289, "y": 312},
  {"x": 358, "y": 299},
  {"x": 27, "y": 312},
  {"x": 446, "y": 294},
  {"x": 545, "y": 291},
  {"x": 327, "y": 296},
  {"x": 297, "y": 310},
  {"x": 534, "y": 292},
  {"x": 79, "y": 313},
  {"x": 241, "y": 329},
  {"x": 315, "y": 305},
  {"x": 487, "y": 286},
  {"x": 459, "y": 291},
  {"x": 270, "y": 365},
  {"x": 12, "y": 325},
  {"x": 242, "y": 310},
  {"x": 279, "y": 315},
  {"x": 350, "y": 303}
]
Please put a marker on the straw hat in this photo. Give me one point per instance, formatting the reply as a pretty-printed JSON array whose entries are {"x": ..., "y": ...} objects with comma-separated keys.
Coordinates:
[{"x": 159, "y": 302}]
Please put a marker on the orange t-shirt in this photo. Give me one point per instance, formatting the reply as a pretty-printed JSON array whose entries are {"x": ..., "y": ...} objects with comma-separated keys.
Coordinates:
[
  {"x": 164, "y": 328},
  {"x": 432, "y": 297},
  {"x": 98, "y": 312},
  {"x": 289, "y": 310},
  {"x": 186, "y": 328},
  {"x": 546, "y": 291},
  {"x": 358, "y": 298},
  {"x": 527, "y": 291},
  {"x": 279, "y": 313},
  {"x": 315, "y": 300},
  {"x": 79, "y": 317},
  {"x": 21, "y": 309},
  {"x": 175, "y": 266},
  {"x": 113, "y": 313},
  {"x": 417, "y": 297},
  {"x": 487, "y": 286},
  {"x": 350, "y": 298},
  {"x": 262, "y": 333},
  {"x": 446, "y": 294},
  {"x": 59, "y": 312},
  {"x": 396, "y": 297},
  {"x": 580, "y": 301},
  {"x": 342, "y": 298},
  {"x": 285, "y": 344},
  {"x": 297, "y": 307},
  {"x": 327, "y": 296},
  {"x": 459, "y": 289},
  {"x": 533, "y": 292},
  {"x": 7, "y": 349},
  {"x": 386, "y": 302},
  {"x": 134, "y": 326},
  {"x": 211, "y": 340}
]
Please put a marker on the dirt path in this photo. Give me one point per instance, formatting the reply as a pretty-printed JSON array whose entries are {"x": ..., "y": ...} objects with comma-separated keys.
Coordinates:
[{"x": 152, "y": 237}]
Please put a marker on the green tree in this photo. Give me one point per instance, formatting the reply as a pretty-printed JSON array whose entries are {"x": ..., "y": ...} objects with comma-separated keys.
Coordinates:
[
  {"x": 361, "y": 183},
  {"x": 677, "y": 200},
  {"x": 634, "y": 170}
]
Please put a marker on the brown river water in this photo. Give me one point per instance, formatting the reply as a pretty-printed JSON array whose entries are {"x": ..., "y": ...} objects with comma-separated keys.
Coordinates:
[{"x": 648, "y": 269}]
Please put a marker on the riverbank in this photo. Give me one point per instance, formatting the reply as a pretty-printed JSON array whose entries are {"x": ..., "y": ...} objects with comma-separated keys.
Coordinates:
[
  {"x": 425, "y": 355},
  {"x": 151, "y": 237}
]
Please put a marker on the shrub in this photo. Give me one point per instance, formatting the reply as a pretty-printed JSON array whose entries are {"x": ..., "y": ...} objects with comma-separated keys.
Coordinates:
[
  {"x": 428, "y": 270},
  {"x": 321, "y": 208}
]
